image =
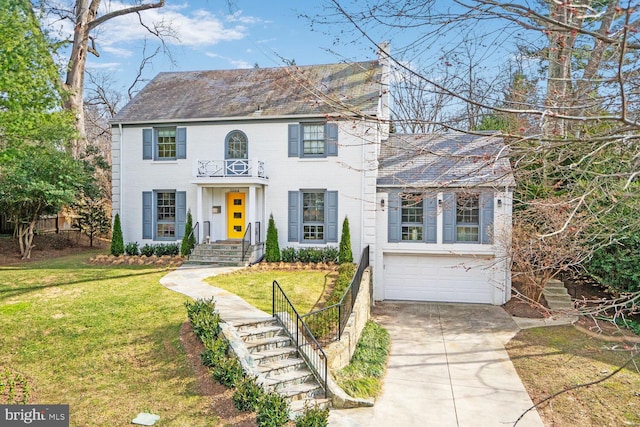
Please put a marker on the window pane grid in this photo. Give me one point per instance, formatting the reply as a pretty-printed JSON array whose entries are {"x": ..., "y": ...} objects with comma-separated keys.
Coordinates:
[
  {"x": 412, "y": 217},
  {"x": 166, "y": 214},
  {"x": 167, "y": 143},
  {"x": 237, "y": 146},
  {"x": 313, "y": 232},
  {"x": 313, "y": 139},
  {"x": 312, "y": 216},
  {"x": 467, "y": 217}
]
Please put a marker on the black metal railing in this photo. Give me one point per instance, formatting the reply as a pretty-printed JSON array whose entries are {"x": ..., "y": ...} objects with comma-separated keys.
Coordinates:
[
  {"x": 246, "y": 241},
  {"x": 328, "y": 323},
  {"x": 195, "y": 232},
  {"x": 306, "y": 344}
]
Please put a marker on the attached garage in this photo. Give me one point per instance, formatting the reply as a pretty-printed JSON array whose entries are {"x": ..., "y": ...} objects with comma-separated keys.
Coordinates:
[{"x": 440, "y": 278}]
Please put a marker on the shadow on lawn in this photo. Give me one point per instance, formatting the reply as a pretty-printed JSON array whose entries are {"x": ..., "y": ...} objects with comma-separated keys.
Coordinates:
[{"x": 8, "y": 291}]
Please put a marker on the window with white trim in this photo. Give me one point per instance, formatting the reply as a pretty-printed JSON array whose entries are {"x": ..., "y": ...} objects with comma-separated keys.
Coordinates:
[
  {"x": 467, "y": 217},
  {"x": 166, "y": 143},
  {"x": 165, "y": 214},
  {"x": 313, "y": 214},
  {"x": 412, "y": 217}
]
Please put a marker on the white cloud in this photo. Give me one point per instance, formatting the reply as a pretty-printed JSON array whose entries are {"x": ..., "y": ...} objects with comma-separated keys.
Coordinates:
[
  {"x": 193, "y": 29},
  {"x": 104, "y": 65},
  {"x": 237, "y": 63},
  {"x": 118, "y": 51}
]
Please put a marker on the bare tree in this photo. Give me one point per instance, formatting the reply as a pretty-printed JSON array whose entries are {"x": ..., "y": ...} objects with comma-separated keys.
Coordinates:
[{"x": 87, "y": 16}]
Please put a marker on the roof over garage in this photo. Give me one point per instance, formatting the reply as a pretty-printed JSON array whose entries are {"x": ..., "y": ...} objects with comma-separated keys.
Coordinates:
[{"x": 444, "y": 160}]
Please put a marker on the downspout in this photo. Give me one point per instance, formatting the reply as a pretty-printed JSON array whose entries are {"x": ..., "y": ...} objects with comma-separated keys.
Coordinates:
[
  {"x": 363, "y": 185},
  {"x": 121, "y": 169}
]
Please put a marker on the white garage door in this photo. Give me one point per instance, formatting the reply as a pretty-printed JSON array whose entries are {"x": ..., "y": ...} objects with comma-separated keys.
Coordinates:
[{"x": 437, "y": 278}]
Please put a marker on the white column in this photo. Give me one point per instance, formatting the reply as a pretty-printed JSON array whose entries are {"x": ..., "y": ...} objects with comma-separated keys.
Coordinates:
[
  {"x": 199, "y": 213},
  {"x": 252, "y": 212}
]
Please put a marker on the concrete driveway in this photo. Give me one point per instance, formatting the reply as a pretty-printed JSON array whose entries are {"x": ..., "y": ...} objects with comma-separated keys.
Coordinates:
[{"x": 448, "y": 367}]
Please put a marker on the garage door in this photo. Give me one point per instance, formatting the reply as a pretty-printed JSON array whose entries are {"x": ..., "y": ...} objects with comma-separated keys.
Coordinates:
[{"x": 437, "y": 278}]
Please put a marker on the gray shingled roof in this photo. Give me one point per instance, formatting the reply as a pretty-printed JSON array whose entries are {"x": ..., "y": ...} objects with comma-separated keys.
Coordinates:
[
  {"x": 257, "y": 92},
  {"x": 447, "y": 160}
]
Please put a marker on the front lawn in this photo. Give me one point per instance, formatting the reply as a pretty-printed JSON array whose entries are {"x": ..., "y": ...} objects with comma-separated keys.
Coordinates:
[
  {"x": 304, "y": 288},
  {"x": 552, "y": 359},
  {"x": 104, "y": 340}
]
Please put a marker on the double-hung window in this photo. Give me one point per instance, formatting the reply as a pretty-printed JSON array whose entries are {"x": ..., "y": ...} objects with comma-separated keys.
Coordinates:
[
  {"x": 164, "y": 214},
  {"x": 467, "y": 217},
  {"x": 164, "y": 143},
  {"x": 313, "y": 216},
  {"x": 412, "y": 217},
  {"x": 313, "y": 140}
]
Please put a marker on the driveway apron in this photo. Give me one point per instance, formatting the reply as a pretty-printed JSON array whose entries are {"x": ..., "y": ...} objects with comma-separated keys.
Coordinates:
[{"x": 447, "y": 367}]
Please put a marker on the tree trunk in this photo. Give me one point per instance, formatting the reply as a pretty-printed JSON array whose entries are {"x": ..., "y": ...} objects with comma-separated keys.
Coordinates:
[
  {"x": 25, "y": 238},
  {"x": 74, "y": 82}
]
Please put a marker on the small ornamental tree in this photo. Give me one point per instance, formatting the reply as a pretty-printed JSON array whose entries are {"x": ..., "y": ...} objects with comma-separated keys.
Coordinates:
[
  {"x": 272, "y": 249},
  {"x": 189, "y": 240},
  {"x": 345, "y": 255},
  {"x": 117, "y": 243}
]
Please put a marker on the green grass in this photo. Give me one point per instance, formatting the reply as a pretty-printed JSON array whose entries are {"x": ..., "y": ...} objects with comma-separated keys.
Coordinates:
[
  {"x": 553, "y": 359},
  {"x": 363, "y": 376},
  {"x": 104, "y": 340},
  {"x": 303, "y": 288}
]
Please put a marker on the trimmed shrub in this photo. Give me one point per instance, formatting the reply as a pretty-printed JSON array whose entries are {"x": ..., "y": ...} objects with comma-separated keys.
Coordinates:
[
  {"x": 247, "y": 395},
  {"x": 272, "y": 249},
  {"x": 214, "y": 351},
  {"x": 147, "y": 250},
  {"x": 204, "y": 320},
  {"x": 131, "y": 248},
  {"x": 228, "y": 371},
  {"x": 189, "y": 240},
  {"x": 289, "y": 255},
  {"x": 273, "y": 410},
  {"x": 117, "y": 243},
  {"x": 313, "y": 417},
  {"x": 345, "y": 255}
]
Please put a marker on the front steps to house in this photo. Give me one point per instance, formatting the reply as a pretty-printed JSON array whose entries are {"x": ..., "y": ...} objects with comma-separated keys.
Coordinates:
[
  {"x": 224, "y": 254},
  {"x": 281, "y": 367},
  {"x": 557, "y": 296}
]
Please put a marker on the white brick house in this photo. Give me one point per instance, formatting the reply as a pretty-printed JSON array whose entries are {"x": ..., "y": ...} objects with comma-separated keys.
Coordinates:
[{"x": 303, "y": 144}]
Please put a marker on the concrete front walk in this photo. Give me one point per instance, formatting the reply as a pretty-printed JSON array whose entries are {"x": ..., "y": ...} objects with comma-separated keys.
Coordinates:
[
  {"x": 448, "y": 367},
  {"x": 189, "y": 280}
]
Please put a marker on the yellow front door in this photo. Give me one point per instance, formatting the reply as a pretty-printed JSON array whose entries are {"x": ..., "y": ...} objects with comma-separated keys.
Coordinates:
[{"x": 235, "y": 215}]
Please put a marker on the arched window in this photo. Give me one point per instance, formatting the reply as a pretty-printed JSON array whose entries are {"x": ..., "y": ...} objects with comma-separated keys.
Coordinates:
[{"x": 236, "y": 145}]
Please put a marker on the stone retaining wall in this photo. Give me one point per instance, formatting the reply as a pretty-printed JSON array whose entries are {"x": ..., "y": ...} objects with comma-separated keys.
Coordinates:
[{"x": 339, "y": 353}]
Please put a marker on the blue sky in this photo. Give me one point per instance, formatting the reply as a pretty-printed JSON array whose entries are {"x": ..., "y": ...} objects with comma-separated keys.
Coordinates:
[{"x": 210, "y": 35}]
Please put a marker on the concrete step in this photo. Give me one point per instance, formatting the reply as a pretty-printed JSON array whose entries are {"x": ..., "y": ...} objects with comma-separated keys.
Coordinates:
[
  {"x": 267, "y": 321},
  {"x": 270, "y": 343},
  {"x": 283, "y": 380},
  {"x": 297, "y": 407},
  {"x": 249, "y": 335},
  {"x": 280, "y": 366},
  {"x": 273, "y": 354},
  {"x": 555, "y": 291},
  {"x": 309, "y": 390},
  {"x": 556, "y": 303}
]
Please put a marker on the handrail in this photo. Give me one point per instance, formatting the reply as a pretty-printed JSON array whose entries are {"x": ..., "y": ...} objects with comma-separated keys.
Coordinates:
[
  {"x": 195, "y": 232},
  {"x": 306, "y": 344},
  {"x": 247, "y": 232},
  {"x": 329, "y": 322}
]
